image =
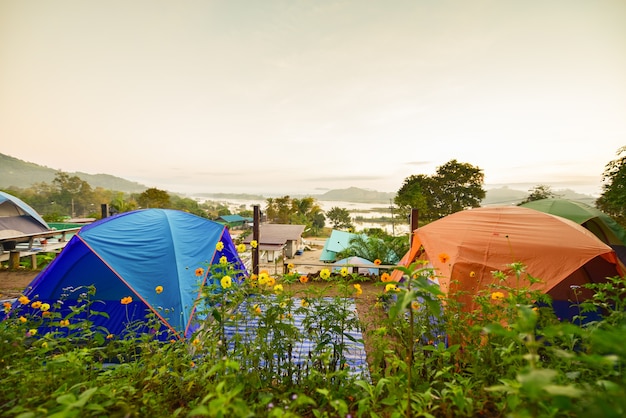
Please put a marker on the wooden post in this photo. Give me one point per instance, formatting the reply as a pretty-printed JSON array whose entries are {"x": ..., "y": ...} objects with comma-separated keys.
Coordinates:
[
  {"x": 14, "y": 260},
  {"x": 104, "y": 210},
  {"x": 414, "y": 219},
  {"x": 255, "y": 237}
]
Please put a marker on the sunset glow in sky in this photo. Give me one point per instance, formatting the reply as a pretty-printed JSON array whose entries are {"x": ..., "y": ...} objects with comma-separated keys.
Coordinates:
[{"x": 286, "y": 97}]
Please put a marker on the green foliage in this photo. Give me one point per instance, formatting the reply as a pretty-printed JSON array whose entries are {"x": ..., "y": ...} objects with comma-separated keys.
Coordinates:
[
  {"x": 454, "y": 187},
  {"x": 612, "y": 201},
  {"x": 429, "y": 357},
  {"x": 379, "y": 246},
  {"x": 154, "y": 198},
  {"x": 340, "y": 218},
  {"x": 305, "y": 211}
]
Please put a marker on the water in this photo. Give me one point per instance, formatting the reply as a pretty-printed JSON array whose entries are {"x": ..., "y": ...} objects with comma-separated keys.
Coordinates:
[{"x": 364, "y": 211}]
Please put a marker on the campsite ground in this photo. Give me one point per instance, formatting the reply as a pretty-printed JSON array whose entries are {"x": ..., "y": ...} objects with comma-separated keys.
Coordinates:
[{"x": 13, "y": 283}]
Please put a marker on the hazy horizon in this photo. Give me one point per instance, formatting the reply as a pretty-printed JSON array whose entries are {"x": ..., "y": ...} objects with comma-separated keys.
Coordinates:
[{"x": 258, "y": 96}]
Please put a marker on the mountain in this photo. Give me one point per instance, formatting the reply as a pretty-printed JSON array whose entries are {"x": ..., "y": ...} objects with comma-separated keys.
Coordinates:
[
  {"x": 356, "y": 195},
  {"x": 22, "y": 174}
]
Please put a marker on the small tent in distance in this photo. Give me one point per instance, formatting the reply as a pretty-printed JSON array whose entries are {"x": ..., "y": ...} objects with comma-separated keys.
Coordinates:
[
  {"x": 18, "y": 218},
  {"x": 466, "y": 247},
  {"x": 130, "y": 255},
  {"x": 599, "y": 223}
]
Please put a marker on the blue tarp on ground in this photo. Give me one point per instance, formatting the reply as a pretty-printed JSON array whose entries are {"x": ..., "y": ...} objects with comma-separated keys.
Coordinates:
[
  {"x": 130, "y": 255},
  {"x": 354, "y": 349}
]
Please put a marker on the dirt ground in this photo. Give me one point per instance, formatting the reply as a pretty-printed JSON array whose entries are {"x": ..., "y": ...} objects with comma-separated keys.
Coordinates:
[{"x": 13, "y": 283}]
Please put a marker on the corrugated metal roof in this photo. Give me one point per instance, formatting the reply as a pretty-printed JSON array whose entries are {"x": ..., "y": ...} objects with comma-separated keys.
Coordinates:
[{"x": 277, "y": 234}]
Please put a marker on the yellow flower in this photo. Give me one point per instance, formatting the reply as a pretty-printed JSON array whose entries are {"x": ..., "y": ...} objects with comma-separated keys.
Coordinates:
[
  {"x": 304, "y": 303},
  {"x": 359, "y": 291},
  {"x": 270, "y": 281},
  {"x": 64, "y": 322},
  {"x": 226, "y": 282},
  {"x": 304, "y": 278},
  {"x": 391, "y": 287},
  {"x": 325, "y": 274},
  {"x": 36, "y": 305},
  {"x": 444, "y": 258},
  {"x": 126, "y": 300},
  {"x": 22, "y": 319},
  {"x": 254, "y": 243},
  {"x": 196, "y": 341},
  {"x": 472, "y": 274},
  {"x": 343, "y": 271},
  {"x": 24, "y": 300},
  {"x": 32, "y": 331},
  {"x": 219, "y": 246},
  {"x": 257, "y": 309},
  {"x": 377, "y": 262},
  {"x": 254, "y": 277},
  {"x": 44, "y": 307},
  {"x": 241, "y": 248},
  {"x": 44, "y": 344},
  {"x": 263, "y": 277},
  {"x": 385, "y": 277},
  {"x": 158, "y": 289},
  {"x": 110, "y": 337},
  {"x": 290, "y": 266},
  {"x": 497, "y": 296},
  {"x": 199, "y": 271},
  {"x": 223, "y": 260},
  {"x": 278, "y": 288}
]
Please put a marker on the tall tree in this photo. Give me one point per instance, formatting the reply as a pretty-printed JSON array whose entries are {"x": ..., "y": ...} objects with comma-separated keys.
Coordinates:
[
  {"x": 154, "y": 198},
  {"x": 454, "y": 187},
  {"x": 339, "y": 218},
  {"x": 612, "y": 201},
  {"x": 540, "y": 191}
]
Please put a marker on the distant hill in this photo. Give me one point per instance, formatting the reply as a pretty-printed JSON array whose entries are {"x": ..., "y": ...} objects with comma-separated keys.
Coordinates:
[
  {"x": 506, "y": 196},
  {"x": 17, "y": 173},
  {"x": 356, "y": 195}
]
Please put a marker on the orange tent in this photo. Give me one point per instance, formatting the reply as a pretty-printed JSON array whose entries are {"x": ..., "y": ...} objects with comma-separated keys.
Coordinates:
[{"x": 466, "y": 247}]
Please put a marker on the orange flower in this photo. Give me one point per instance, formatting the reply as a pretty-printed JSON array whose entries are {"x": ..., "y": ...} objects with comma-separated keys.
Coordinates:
[
  {"x": 444, "y": 258},
  {"x": 358, "y": 289},
  {"x": 199, "y": 271},
  {"x": 126, "y": 300},
  {"x": 304, "y": 279},
  {"x": 385, "y": 277},
  {"x": 497, "y": 296},
  {"x": 64, "y": 323},
  {"x": 377, "y": 262},
  {"x": 24, "y": 300},
  {"x": 158, "y": 289},
  {"x": 36, "y": 304}
]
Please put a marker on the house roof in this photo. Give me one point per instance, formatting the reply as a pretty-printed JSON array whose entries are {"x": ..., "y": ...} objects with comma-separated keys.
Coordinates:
[
  {"x": 277, "y": 234},
  {"x": 232, "y": 218}
]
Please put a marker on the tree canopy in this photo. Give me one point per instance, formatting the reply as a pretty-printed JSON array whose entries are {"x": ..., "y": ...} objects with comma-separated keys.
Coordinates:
[
  {"x": 454, "y": 187},
  {"x": 612, "y": 201}
]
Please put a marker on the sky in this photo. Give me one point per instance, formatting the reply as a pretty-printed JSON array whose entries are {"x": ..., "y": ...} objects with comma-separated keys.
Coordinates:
[{"x": 294, "y": 97}]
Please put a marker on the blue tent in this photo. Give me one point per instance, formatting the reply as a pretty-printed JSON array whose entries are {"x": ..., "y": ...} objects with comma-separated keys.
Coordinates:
[{"x": 130, "y": 255}]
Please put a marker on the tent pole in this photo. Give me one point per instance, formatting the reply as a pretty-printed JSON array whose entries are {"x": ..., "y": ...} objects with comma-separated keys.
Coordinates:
[{"x": 255, "y": 236}]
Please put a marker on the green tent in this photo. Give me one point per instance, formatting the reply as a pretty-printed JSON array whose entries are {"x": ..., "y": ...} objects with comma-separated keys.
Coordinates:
[{"x": 594, "y": 220}]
